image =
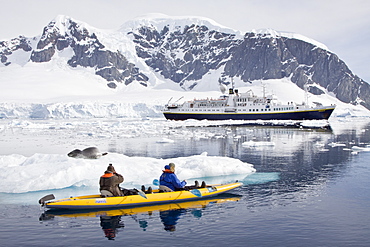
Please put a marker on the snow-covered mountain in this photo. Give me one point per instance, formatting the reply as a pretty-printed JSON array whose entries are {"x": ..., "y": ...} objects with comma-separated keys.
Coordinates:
[{"x": 160, "y": 52}]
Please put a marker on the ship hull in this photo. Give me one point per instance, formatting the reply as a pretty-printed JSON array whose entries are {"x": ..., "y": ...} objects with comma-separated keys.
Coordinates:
[{"x": 311, "y": 114}]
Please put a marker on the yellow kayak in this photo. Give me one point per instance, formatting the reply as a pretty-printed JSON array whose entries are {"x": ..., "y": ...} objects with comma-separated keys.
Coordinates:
[
  {"x": 156, "y": 197},
  {"x": 201, "y": 203}
]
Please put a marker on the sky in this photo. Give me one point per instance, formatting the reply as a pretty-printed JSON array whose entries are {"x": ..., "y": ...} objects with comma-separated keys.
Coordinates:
[{"x": 342, "y": 25}]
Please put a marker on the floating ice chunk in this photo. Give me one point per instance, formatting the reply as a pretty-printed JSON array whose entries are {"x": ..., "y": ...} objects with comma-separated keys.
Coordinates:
[
  {"x": 334, "y": 144},
  {"x": 261, "y": 177},
  {"x": 165, "y": 140},
  {"x": 361, "y": 149},
  {"x": 257, "y": 144},
  {"x": 319, "y": 144},
  {"x": 56, "y": 171}
]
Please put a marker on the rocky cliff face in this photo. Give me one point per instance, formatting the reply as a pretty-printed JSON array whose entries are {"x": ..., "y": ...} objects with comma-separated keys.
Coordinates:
[
  {"x": 188, "y": 54},
  {"x": 7, "y": 48},
  {"x": 185, "y": 53}
]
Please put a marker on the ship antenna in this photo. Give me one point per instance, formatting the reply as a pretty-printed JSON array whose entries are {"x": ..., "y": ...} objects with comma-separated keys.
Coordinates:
[
  {"x": 169, "y": 100},
  {"x": 179, "y": 99}
]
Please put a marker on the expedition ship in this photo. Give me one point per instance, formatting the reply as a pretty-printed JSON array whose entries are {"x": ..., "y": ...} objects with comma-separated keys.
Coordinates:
[{"x": 245, "y": 106}]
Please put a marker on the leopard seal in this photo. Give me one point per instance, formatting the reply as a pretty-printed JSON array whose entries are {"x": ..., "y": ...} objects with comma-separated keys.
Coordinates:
[{"x": 87, "y": 153}]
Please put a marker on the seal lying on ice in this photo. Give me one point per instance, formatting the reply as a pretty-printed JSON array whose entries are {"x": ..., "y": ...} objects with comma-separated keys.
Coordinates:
[{"x": 87, "y": 153}]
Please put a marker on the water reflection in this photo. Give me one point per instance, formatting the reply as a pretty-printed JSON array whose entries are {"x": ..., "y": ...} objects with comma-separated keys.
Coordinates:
[
  {"x": 305, "y": 160},
  {"x": 110, "y": 225},
  {"x": 169, "y": 218},
  {"x": 111, "y": 221}
]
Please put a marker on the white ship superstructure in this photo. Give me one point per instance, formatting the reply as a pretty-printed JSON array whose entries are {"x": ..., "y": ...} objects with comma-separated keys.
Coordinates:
[{"x": 245, "y": 106}]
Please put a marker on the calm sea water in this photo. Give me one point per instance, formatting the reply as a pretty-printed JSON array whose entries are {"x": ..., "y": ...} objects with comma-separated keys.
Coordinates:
[{"x": 310, "y": 189}]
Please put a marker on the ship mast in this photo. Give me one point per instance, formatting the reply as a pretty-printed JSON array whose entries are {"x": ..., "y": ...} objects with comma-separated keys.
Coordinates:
[
  {"x": 305, "y": 94},
  {"x": 263, "y": 90}
]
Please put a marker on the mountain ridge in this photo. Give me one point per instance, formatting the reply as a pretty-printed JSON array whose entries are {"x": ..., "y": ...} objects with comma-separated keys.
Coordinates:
[{"x": 183, "y": 50}]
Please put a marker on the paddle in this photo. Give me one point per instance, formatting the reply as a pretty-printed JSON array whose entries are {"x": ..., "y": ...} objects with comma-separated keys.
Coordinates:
[
  {"x": 156, "y": 182},
  {"x": 46, "y": 198},
  {"x": 141, "y": 193},
  {"x": 195, "y": 192}
]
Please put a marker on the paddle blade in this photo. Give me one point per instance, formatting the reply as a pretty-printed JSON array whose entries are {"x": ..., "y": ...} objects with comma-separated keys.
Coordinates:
[
  {"x": 156, "y": 182},
  {"x": 46, "y": 198},
  {"x": 141, "y": 193},
  {"x": 196, "y": 192}
]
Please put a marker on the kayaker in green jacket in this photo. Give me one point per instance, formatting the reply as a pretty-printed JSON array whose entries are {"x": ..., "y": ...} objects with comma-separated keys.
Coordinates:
[{"x": 109, "y": 182}]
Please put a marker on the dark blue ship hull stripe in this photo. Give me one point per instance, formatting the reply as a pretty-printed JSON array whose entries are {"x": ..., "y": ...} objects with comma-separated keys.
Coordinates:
[{"x": 298, "y": 115}]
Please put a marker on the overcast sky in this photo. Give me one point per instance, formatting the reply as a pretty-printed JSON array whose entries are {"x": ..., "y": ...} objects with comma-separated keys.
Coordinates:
[{"x": 342, "y": 25}]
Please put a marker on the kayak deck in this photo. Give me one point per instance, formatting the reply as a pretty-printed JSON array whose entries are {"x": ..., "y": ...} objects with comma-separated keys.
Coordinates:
[{"x": 97, "y": 202}]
